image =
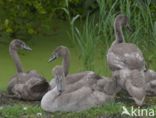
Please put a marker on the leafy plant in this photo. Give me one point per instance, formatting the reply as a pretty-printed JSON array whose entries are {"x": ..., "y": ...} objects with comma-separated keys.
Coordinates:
[{"x": 26, "y": 17}]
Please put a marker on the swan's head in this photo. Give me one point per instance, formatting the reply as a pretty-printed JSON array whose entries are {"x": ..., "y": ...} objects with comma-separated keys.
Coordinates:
[
  {"x": 122, "y": 20},
  {"x": 19, "y": 44},
  {"x": 59, "y": 78},
  {"x": 60, "y": 51}
]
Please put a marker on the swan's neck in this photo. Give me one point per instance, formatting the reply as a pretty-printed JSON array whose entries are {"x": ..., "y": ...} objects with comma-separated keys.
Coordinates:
[
  {"x": 16, "y": 59},
  {"x": 119, "y": 38},
  {"x": 66, "y": 63}
]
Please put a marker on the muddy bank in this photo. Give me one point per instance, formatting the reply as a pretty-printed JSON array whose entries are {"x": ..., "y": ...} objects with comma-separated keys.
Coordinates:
[{"x": 5, "y": 100}]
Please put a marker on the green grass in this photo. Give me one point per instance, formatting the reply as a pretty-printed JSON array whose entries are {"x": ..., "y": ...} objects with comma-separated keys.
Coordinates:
[{"x": 21, "y": 110}]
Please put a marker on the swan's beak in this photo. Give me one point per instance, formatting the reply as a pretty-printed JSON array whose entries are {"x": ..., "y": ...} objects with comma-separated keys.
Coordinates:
[
  {"x": 52, "y": 58},
  {"x": 27, "y": 48}
]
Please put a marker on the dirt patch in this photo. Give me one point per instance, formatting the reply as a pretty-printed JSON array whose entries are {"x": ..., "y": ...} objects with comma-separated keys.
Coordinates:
[
  {"x": 124, "y": 97},
  {"x": 5, "y": 100}
]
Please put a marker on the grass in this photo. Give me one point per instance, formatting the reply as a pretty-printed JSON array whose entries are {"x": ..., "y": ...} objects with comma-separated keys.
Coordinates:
[
  {"x": 21, "y": 110},
  {"x": 31, "y": 111},
  {"x": 25, "y": 109}
]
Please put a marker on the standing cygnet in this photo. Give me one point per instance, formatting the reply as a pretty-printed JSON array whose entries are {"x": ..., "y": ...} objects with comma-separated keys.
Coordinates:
[
  {"x": 134, "y": 82},
  {"x": 25, "y": 85},
  {"x": 61, "y": 98},
  {"x": 124, "y": 55}
]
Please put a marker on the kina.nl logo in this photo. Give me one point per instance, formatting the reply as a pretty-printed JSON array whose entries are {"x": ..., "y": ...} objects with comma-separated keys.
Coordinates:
[{"x": 138, "y": 111}]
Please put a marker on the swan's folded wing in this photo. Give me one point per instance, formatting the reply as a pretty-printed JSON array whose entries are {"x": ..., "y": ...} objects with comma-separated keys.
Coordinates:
[
  {"x": 137, "y": 93},
  {"x": 41, "y": 87}
]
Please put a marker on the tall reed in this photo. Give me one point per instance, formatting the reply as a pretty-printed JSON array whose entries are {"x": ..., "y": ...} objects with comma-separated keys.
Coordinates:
[{"x": 86, "y": 39}]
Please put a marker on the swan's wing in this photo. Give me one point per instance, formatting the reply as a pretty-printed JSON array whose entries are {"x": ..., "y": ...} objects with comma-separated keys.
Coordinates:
[
  {"x": 138, "y": 94},
  {"x": 150, "y": 75},
  {"x": 74, "y": 101},
  {"x": 72, "y": 78},
  {"x": 151, "y": 88},
  {"x": 114, "y": 61},
  {"x": 36, "y": 82},
  {"x": 125, "y": 55},
  {"x": 110, "y": 86},
  {"x": 39, "y": 88},
  {"x": 38, "y": 85},
  {"x": 11, "y": 84},
  {"x": 137, "y": 78},
  {"x": 17, "y": 79},
  {"x": 134, "y": 82},
  {"x": 88, "y": 80},
  {"x": 33, "y": 86},
  {"x": 152, "y": 84}
]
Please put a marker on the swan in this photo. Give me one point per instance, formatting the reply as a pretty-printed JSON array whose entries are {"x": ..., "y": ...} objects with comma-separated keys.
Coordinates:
[
  {"x": 63, "y": 52},
  {"x": 25, "y": 85},
  {"x": 121, "y": 54},
  {"x": 64, "y": 98},
  {"x": 134, "y": 82}
]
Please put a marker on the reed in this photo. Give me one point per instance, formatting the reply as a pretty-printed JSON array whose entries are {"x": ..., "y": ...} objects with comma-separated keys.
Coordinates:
[{"x": 86, "y": 39}]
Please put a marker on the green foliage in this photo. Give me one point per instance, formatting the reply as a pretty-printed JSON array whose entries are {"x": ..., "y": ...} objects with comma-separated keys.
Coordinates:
[
  {"x": 26, "y": 17},
  {"x": 82, "y": 7}
]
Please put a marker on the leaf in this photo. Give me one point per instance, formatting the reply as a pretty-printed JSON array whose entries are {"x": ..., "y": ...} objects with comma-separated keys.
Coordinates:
[
  {"x": 6, "y": 22},
  {"x": 74, "y": 19},
  {"x": 66, "y": 11}
]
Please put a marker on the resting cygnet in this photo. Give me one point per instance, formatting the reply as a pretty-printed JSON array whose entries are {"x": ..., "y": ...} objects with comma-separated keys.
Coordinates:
[{"x": 61, "y": 98}]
